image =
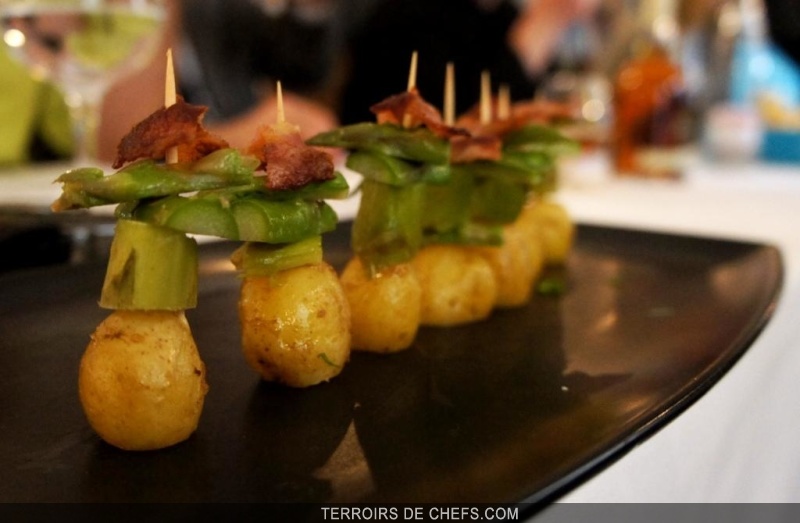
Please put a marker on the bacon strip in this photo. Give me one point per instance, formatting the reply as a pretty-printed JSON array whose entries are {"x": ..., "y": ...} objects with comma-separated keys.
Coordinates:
[
  {"x": 178, "y": 125},
  {"x": 523, "y": 113},
  {"x": 411, "y": 109},
  {"x": 542, "y": 112},
  {"x": 288, "y": 161},
  {"x": 465, "y": 149}
]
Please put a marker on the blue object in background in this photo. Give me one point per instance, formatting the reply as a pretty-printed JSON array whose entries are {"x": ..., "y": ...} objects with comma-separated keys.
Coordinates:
[
  {"x": 762, "y": 67},
  {"x": 781, "y": 146}
]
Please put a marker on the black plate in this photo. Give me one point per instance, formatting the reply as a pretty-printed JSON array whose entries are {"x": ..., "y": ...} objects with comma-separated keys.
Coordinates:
[{"x": 514, "y": 409}]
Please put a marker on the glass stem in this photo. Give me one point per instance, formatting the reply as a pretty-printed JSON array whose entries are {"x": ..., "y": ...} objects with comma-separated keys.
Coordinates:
[{"x": 85, "y": 107}]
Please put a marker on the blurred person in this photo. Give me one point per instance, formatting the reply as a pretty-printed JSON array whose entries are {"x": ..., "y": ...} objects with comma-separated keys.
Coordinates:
[
  {"x": 515, "y": 41},
  {"x": 228, "y": 56},
  {"x": 230, "y": 53},
  {"x": 535, "y": 35},
  {"x": 783, "y": 17}
]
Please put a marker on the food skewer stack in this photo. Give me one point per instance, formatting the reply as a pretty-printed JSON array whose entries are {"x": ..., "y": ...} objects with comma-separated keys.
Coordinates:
[
  {"x": 453, "y": 222},
  {"x": 458, "y": 283},
  {"x": 380, "y": 283},
  {"x": 294, "y": 316},
  {"x": 457, "y": 207},
  {"x": 142, "y": 383},
  {"x": 514, "y": 174}
]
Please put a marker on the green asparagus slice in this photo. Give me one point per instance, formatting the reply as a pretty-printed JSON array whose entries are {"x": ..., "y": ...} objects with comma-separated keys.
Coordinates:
[
  {"x": 496, "y": 192},
  {"x": 227, "y": 162},
  {"x": 497, "y": 200},
  {"x": 150, "y": 268},
  {"x": 394, "y": 171},
  {"x": 260, "y": 259},
  {"x": 418, "y": 144},
  {"x": 267, "y": 221},
  {"x": 531, "y": 138},
  {"x": 88, "y": 187},
  {"x": 387, "y": 229},
  {"x": 248, "y": 217},
  {"x": 334, "y": 189},
  {"x": 205, "y": 216},
  {"x": 509, "y": 168},
  {"x": 446, "y": 207}
]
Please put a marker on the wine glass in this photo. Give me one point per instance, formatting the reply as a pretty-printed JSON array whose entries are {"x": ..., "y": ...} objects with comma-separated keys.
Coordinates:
[{"x": 82, "y": 46}]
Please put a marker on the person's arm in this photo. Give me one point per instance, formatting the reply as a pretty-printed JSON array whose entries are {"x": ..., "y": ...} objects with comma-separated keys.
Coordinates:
[
  {"x": 310, "y": 116},
  {"x": 538, "y": 29},
  {"x": 136, "y": 96}
]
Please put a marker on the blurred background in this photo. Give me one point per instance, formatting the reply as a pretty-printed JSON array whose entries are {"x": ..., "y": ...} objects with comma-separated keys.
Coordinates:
[
  {"x": 718, "y": 77},
  {"x": 687, "y": 112}
]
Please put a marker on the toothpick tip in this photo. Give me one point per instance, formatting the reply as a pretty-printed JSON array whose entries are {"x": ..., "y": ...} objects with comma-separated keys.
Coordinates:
[
  {"x": 281, "y": 115},
  {"x": 449, "y": 95},
  {"x": 412, "y": 72},
  {"x": 486, "y": 98},
  {"x": 170, "y": 97}
]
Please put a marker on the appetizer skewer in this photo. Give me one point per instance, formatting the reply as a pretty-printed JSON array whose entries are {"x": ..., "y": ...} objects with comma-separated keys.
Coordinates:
[
  {"x": 294, "y": 315},
  {"x": 458, "y": 284},
  {"x": 440, "y": 238},
  {"x": 380, "y": 283},
  {"x": 142, "y": 383},
  {"x": 518, "y": 260},
  {"x": 532, "y": 142},
  {"x": 470, "y": 183}
]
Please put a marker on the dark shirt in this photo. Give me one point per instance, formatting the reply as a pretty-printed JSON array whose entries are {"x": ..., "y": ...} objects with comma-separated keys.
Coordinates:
[
  {"x": 441, "y": 31},
  {"x": 238, "y": 46},
  {"x": 784, "y": 25}
]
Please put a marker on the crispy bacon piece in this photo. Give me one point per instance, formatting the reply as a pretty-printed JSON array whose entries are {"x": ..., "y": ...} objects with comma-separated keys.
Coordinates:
[
  {"x": 542, "y": 112},
  {"x": 289, "y": 163},
  {"x": 465, "y": 149},
  {"x": 410, "y": 109},
  {"x": 178, "y": 125}
]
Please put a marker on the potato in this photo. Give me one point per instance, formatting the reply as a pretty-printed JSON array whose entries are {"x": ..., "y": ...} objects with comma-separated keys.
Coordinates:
[
  {"x": 458, "y": 285},
  {"x": 141, "y": 382},
  {"x": 556, "y": 226},
  {"x": 517, "y": 264},
  {"x": 295, "y": 325},
  {"x": 385, "y": 308}
]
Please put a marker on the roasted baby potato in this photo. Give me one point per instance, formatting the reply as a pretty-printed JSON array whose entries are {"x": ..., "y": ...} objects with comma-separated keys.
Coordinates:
[
  {"x": 458, "y": 285},
  {"x": 517, "y": 264},
  {"x": 141, "y": 381},
  {"x": 385, "y": 308},
  {"x": 295, "y": 325},
  {"x": 555, "y": 227}
]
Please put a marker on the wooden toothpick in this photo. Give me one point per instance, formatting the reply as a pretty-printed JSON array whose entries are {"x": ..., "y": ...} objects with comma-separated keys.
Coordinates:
[
  {"x": 486, "y": 99},
  {"x": 170, "y": 97},
  {"x": 412, "y": 72},
  {"x": 412, "y": 84},
  {"x": 281, "y": 116},
  {"x": 503, "y": 102},
  {"x": 449, "y": 95}
]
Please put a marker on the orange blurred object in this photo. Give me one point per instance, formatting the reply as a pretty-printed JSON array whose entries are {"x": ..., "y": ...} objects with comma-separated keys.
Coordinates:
[{"x": 652, "y": 122}]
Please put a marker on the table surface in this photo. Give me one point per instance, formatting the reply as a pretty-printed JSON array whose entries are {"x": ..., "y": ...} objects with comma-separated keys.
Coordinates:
[{"x": 737, "y": 443}]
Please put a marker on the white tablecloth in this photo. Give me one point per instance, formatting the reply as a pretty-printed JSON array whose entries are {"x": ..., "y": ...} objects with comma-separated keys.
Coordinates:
[
  {"x": 33, "y": 188},
  {"x": 740, "y": 442}
]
